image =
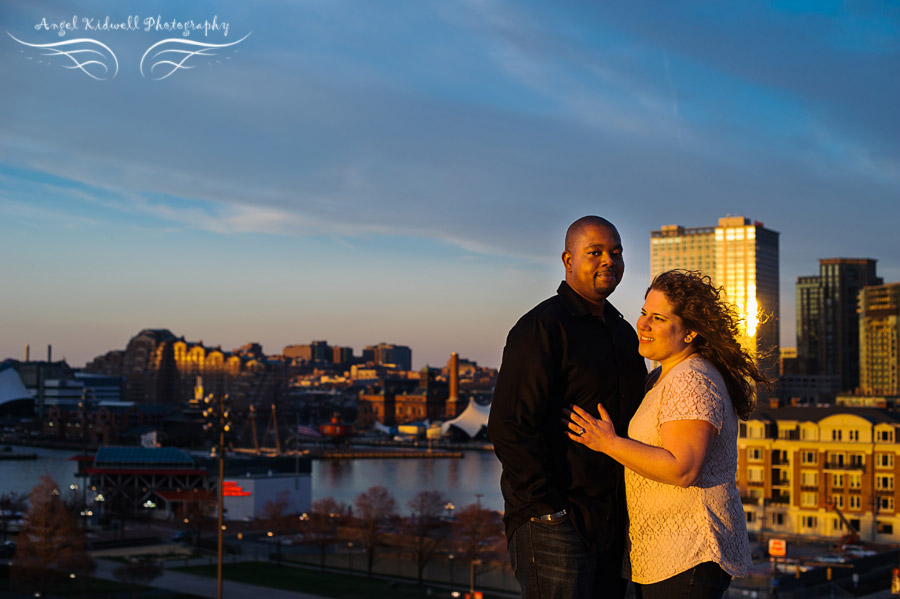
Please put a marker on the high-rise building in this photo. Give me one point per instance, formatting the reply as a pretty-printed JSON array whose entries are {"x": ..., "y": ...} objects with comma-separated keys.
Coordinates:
[
  {"x": 827, "y": 319},
  {"x": 879, "y": 339},
  {"x": 741, "y": 257}
]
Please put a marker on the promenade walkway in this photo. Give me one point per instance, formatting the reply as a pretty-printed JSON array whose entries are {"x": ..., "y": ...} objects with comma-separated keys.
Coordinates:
[{"x": 202, "y": 586}]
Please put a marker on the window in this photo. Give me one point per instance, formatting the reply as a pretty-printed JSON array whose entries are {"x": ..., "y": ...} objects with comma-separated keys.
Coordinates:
[
  {"x": 809, "y": 499},
  {"x": 755, "y": 474},
  {"x": 809, "y": 434},
  {"x": 884, "y": 482},
  {"x": 837, "y": 501},
  {"x": 777, "y": 519},
  {"x": 809, "y": 478},
  {"x": 885, "y": 528},
  {"x": 809, "y": 521},
  {"x": 853, "y": 436},
  {"x": 810, "y": 457},
  {"x": 884, "y": 460},
  {"x": 854, "y": 502},
  {"x": 836, "y": 435},
  {"x": 754, "y": 454},
  {"x": 886, "y": 504},
  {"x": 855, "y": 481},
  {"x": 751, "y": 517},
  {"x": 857, "y": 460},
  {"x": 884, "y": 436},
  {"x": 837, "y": 481}
]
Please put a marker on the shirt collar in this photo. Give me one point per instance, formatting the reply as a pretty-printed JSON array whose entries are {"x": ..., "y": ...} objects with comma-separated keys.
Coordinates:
[{"x": 578, "y": 306}]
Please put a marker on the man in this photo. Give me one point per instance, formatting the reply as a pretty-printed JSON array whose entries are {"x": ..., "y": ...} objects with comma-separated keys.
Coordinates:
[{"x": 564, "y": 511}]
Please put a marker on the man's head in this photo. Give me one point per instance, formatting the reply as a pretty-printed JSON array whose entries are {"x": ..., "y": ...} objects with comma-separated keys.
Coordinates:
[{"x": 593, "y": 259}]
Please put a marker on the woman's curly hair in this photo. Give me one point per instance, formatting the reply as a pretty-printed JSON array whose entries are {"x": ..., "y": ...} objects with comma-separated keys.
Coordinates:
[{"x": 703, "y": 309}]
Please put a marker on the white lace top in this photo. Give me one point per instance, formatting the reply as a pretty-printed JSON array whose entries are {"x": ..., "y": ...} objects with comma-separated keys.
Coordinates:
[{"x": 672, "y": 529}]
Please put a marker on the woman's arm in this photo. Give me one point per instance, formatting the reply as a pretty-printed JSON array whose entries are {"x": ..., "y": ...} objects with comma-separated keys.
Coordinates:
[{"x": 679, "y": 461}]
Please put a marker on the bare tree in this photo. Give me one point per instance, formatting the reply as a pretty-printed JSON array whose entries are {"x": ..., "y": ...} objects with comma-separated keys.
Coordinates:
[
  {"x": 375, "y": 509},
  {"x": 274, "y": 516},
  {"x": 321, "y": 525},
  {"x": 479, "y": 534},
  {"x": 198, "y": 517},
  {"x": 424, "y": 530},
  {"x": 51, "y": 547}
]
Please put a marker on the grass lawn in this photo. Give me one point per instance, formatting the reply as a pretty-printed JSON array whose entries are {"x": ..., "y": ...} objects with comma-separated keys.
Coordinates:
[
  {"x": 96, "y": 588},
  {"x": 327, "y": 584}
]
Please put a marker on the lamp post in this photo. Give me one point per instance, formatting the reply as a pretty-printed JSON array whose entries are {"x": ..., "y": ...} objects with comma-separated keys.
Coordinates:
[
  {"x": 218, "y": 420},
  {"x": 449, "y": 507},
  {"x": 475, "y": 562},
  {"x": 450, "y": 558}
]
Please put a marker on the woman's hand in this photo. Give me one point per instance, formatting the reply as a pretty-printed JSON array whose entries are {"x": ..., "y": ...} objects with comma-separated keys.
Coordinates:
[{"x": 595, "y": 433}]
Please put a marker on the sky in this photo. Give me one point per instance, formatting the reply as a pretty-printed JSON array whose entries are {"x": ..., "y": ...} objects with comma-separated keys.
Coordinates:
[{"x": 404, "y": 171}]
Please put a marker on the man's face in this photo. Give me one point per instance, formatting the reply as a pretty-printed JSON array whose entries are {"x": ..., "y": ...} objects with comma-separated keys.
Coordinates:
[{"x": 594, "y": 263}]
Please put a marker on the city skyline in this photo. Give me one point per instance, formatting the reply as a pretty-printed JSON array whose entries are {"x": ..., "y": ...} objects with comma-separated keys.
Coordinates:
[{"x": 361, "y": 174}]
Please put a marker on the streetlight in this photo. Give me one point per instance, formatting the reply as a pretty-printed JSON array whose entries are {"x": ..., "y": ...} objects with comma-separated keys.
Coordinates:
[
  {"x": 450, "y": 558},
  {"x": 475, "y": 562},
  {"x": 218, "y": 419},
  {"x": 449, "y": 507},
  {"x": 349, "y": 548}
]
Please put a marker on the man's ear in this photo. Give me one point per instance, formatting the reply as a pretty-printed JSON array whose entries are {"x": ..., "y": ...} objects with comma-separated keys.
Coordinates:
[{"x": 567, "y": 260}]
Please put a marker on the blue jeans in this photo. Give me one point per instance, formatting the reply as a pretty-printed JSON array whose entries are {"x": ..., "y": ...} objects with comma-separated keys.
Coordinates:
[
  {"x": 551, "y": 561},
  {"x": 704, "y": 581}
]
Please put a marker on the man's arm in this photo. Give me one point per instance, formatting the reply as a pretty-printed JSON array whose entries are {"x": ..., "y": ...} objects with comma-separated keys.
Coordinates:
[{"x": 523, "y": 415}]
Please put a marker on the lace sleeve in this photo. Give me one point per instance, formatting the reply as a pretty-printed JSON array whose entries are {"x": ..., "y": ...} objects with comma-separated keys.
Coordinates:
[{"x": 689, "y": 395}]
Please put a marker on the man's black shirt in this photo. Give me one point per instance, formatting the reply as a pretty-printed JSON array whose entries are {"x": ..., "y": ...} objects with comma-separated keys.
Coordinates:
[{"x": 557, "y": 355}]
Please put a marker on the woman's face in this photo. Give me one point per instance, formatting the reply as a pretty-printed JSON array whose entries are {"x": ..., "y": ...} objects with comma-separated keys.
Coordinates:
[{"x": 663, "y": 336}]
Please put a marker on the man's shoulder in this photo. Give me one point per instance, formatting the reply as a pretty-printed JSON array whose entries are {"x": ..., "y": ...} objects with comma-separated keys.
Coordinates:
[{"x": 549, "y": 309}]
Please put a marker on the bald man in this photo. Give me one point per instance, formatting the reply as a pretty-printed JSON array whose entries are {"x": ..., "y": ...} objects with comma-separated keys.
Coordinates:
[{"x": 564, "y": 504}]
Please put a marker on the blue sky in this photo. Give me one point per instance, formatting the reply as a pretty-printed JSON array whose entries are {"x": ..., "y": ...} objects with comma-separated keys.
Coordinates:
[{"x": 404, "y": 171}]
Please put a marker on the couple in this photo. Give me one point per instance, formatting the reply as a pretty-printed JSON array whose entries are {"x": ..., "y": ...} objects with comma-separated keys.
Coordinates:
[{"x": 573, "y": 357}]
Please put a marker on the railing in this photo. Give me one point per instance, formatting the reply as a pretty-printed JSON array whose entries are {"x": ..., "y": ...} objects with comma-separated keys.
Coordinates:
[{"x": 841, "y": 466}]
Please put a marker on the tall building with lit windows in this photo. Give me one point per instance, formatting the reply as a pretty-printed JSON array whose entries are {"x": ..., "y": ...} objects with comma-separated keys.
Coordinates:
[
  {"x": 828, "y": 325},
  {"x": 879, "y": 339},
  {"x": 742, "y": 257}
]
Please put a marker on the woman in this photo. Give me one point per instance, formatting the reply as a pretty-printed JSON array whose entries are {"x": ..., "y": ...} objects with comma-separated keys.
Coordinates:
[{"x": 686, "y": 532}]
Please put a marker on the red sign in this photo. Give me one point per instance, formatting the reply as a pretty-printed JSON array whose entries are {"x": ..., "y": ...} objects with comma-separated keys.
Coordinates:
[
  {"x": 232, "y": 489},
  {"x": 777, "y": 547}
]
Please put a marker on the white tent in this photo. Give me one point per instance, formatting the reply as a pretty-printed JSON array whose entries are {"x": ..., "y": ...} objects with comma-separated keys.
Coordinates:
[
  {"x": 11, "y": 387},
  {"x": 471, "y": 420}
]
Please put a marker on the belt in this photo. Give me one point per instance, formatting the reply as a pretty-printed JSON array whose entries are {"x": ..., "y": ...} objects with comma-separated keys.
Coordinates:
[{"x": 549, "y": 517}]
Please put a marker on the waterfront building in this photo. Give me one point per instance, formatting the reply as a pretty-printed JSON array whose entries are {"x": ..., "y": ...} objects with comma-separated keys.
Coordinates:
[
  {"x": 828, "y": 334},
  {"x": 167, "y": 483},
  {"x": 742, "y": 257},
  {"x": 879, "y": 339},
  {"x": 802, "y": 471}
]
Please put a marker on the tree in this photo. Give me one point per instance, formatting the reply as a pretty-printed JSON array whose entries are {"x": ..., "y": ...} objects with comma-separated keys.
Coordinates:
[
  {"x": 274, "y": 517},
  {"x": 198, "y": 518},
  {"x": 12, "y": 505},
  {"x": 375, "y": 508},
  {"x": 480, "y": 536},
  {"x": 321, "y": 524},
  {"x": 51, "y": 547},
  {"x": 137, "y": 573},
  {"x": 425, "y": 530}
]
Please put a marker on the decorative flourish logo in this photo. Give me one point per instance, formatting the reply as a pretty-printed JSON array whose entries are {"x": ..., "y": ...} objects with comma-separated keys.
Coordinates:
[
  {"x": 81, "y": 54},
  {"x": 164, "y": 58},
  {"x": 161, "y": 60}
]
